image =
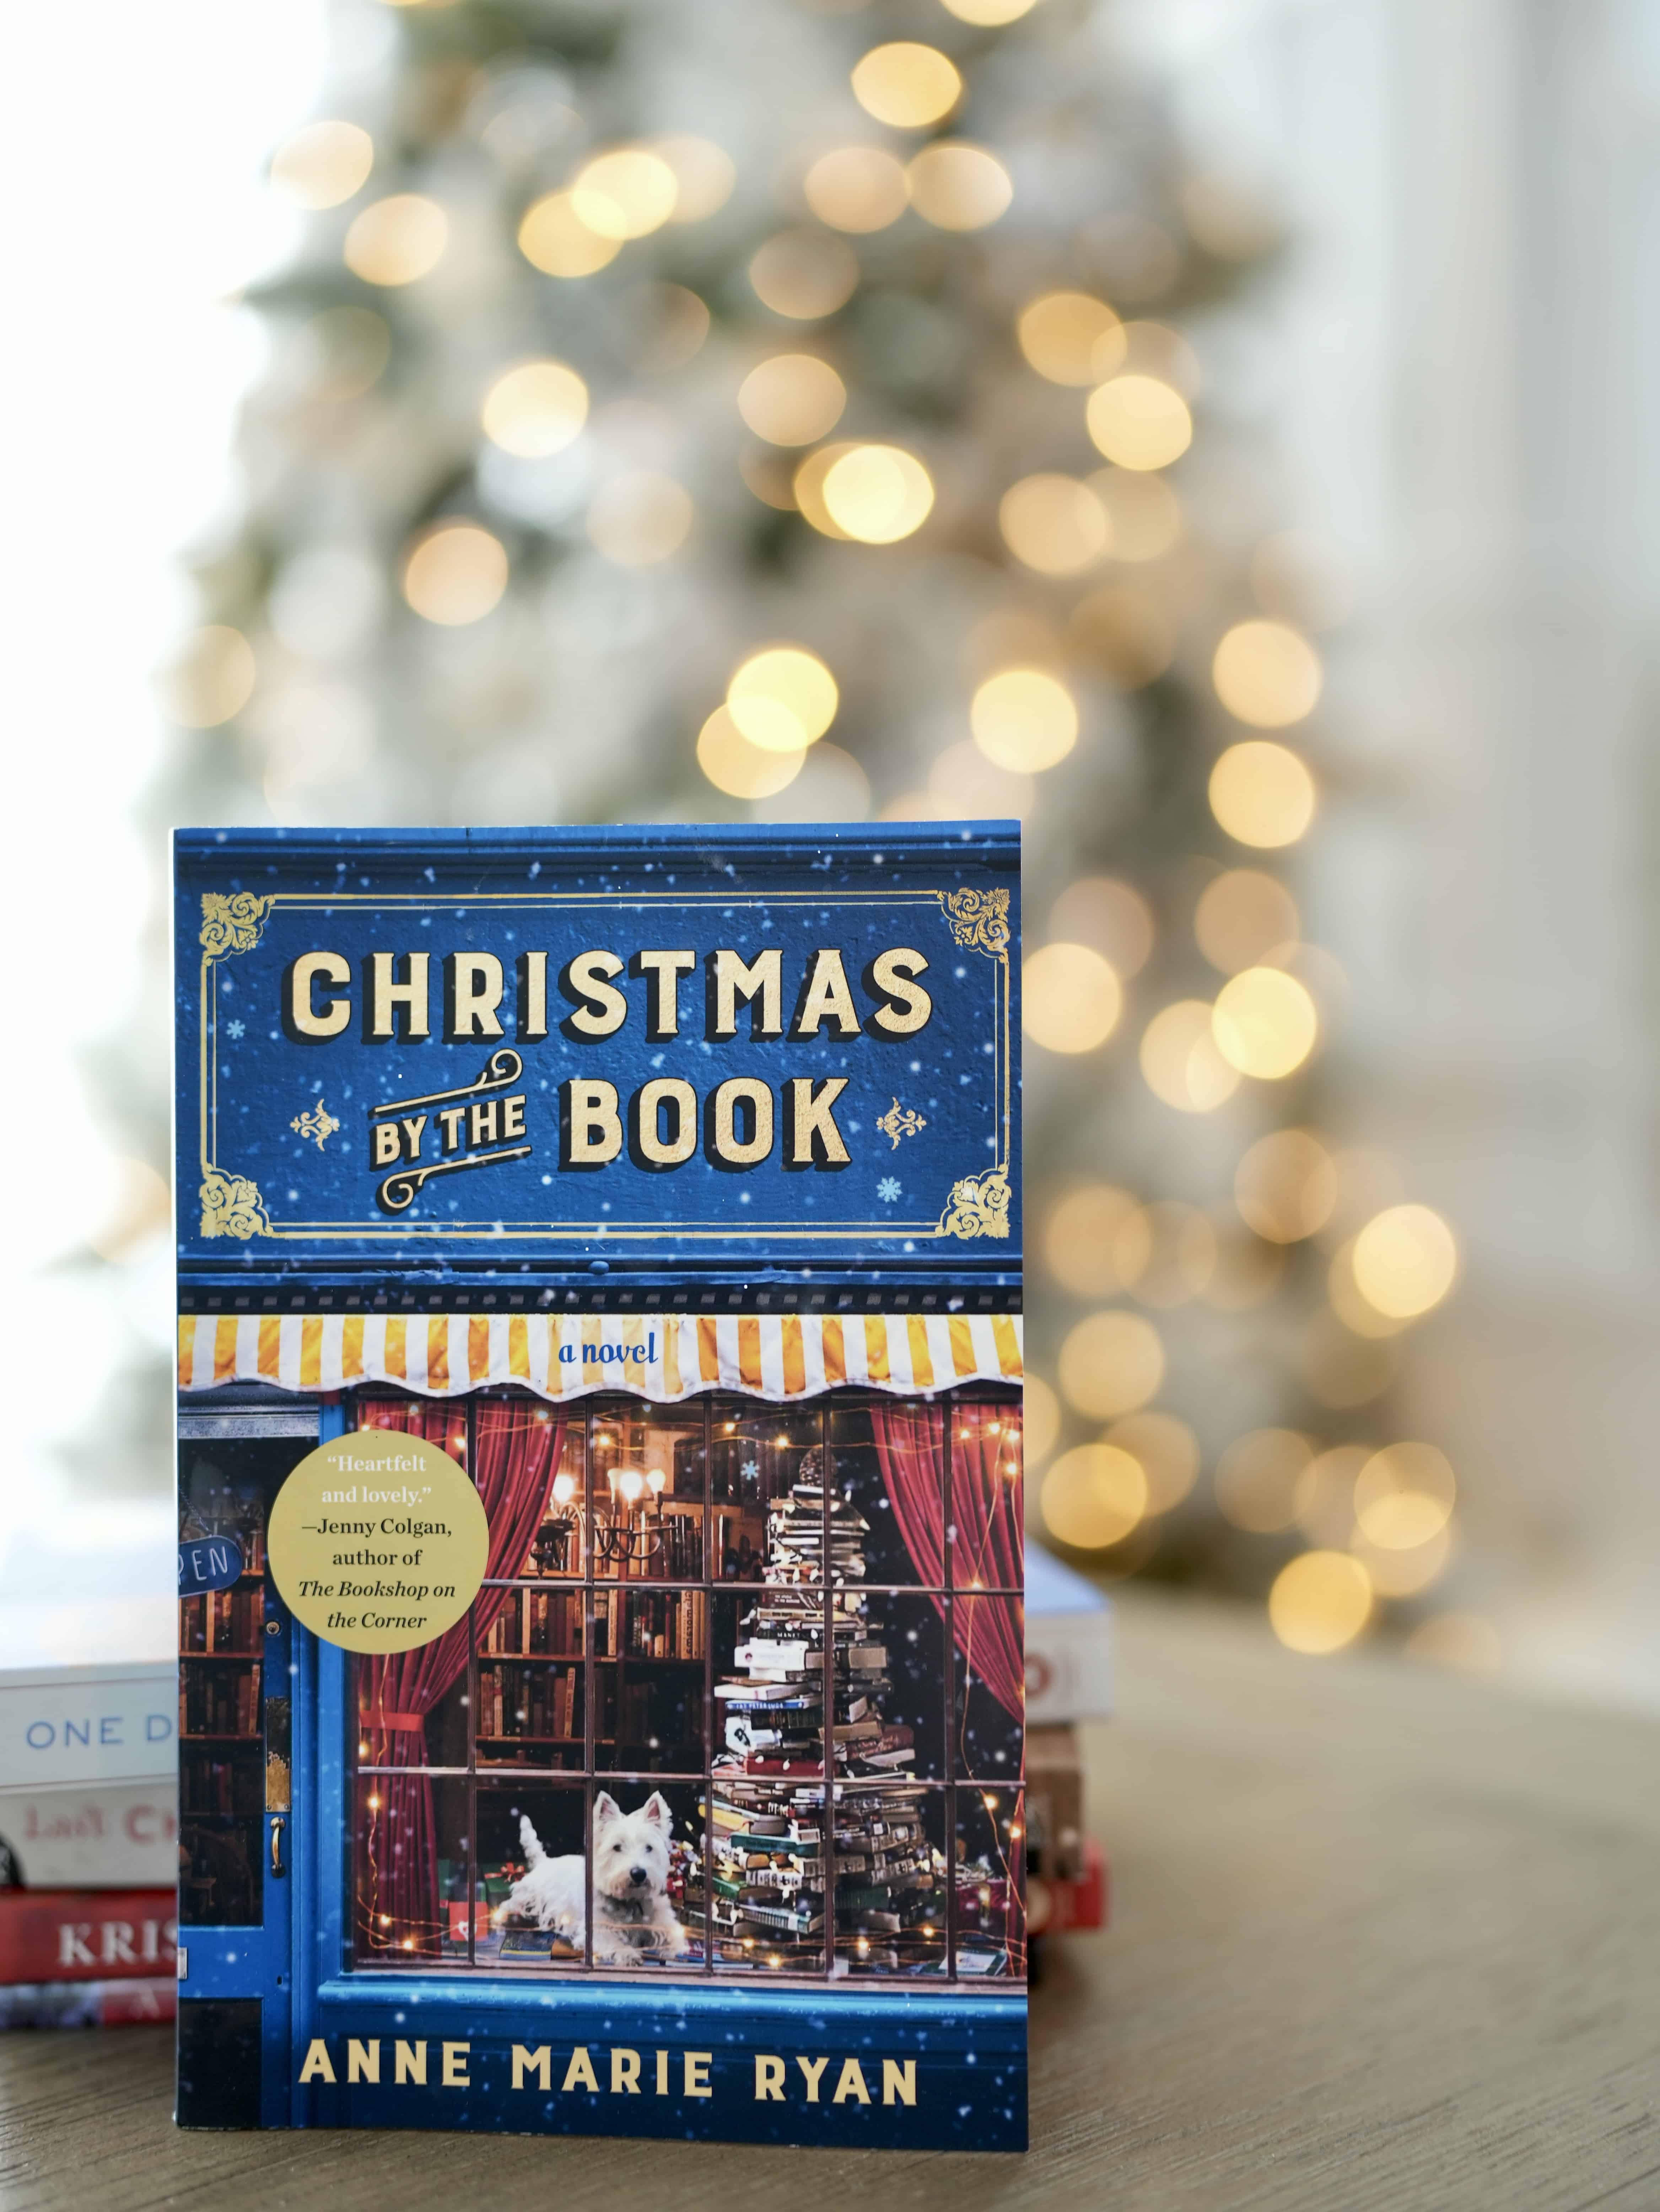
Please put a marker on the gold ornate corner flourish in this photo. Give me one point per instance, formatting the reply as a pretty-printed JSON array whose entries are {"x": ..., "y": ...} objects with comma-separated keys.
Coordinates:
[
  {"x": 232, "y": 922},
  {"x": 900, "y": 1121},
  {"x": 978, "y": 919},
  {"x": 979, "y": 1205},
  {"x": 318, "y": 1125},
  {"x": 231, "y": 1206}
]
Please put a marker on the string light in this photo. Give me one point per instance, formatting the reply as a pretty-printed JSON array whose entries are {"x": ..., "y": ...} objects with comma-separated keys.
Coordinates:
[
  {"x": 1181, "y": 1062},
  {"x": 1403, "y": 1496},
  {"x": 1093, "y": 1496},
  {"x": 877, "y": 494},
  {"x": 1167, "y": 1451},
  {"x": 1024, "y": 719},
  {"x": 958, "y": 186},
  {"x": 857, "y": 188},
  {"x": 990, "y": 14},
  {"x": 1071, "y": 337},
  {"x": 397, "y": 240},
  {"x": 1266, "y": 673},
  {"x": 626, "y": 193},
  {"x": 1110, "y": 915},
  {"x": 1080, "y": 1239},
  {"x": 324, "y": 164},
  {"x": 1054, "y": 524},
  {"x": 1143, "y": 514},
  {"x": 783, "y": 699},
  {"x": 455, "y": 574},
  {"x": 1286, "y": 1186},
  {"x": 792, "y": 399},
  {"x": 1264, "y": 1023},
  {"x": 1139, "y": 421},
  {"x": 1405, "y": 1261},
  {"x": 804, "y": 275},
  {"x": 1261, "y": 793},
  {"x": 906, "y": 85},
  {"x": 536, "y": 410},
  {"x": 1070, "y": 999},
  {"x": 1111, "y": 1363},
  {"x": 1320, "y": 1602},
  {"x": 553, "y": 237},
  {"x": 704, "y": 174}
]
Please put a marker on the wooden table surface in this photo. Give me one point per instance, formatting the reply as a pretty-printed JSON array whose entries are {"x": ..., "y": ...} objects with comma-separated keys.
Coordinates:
[{"x": 1382, "y": 1938}]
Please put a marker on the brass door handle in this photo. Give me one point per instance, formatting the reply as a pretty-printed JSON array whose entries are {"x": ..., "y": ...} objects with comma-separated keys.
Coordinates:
[{"x": 277, "y": 1826}]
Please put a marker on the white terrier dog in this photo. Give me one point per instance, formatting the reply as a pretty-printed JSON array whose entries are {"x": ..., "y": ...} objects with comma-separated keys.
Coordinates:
[{"x": 632, "y": 1916}]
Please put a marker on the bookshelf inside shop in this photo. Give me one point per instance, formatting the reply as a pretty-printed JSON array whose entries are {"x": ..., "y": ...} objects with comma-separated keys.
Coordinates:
[{"x": 221, "y": 1767}]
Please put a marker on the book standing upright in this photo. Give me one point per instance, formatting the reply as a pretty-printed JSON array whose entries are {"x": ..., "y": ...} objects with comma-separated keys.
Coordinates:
[{"x": 599, "y": 1332}]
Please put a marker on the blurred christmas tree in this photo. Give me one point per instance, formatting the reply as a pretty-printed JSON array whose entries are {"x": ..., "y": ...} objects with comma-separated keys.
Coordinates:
[{"x": 830, "y": 411}]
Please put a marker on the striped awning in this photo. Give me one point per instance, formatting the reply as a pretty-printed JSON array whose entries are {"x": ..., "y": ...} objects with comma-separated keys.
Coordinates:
[{"x": 662, "y": 1356}]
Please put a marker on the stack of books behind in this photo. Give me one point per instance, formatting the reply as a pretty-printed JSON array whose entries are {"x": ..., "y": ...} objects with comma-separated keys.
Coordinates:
[
  {"x": 88, "y": 1845},
  {"x": 1068, "y": 1623}
]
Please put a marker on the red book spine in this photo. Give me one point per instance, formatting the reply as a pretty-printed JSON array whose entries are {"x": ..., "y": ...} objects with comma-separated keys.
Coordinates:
[{"x": 85, "y": 1935}]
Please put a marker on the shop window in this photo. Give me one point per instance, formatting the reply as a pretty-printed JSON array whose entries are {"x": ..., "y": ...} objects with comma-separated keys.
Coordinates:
[{"x": 740, "y": 1695}]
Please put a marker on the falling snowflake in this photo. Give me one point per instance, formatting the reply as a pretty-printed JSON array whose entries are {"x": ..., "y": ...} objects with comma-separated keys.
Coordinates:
[
  {"x": 235, "y": 1029},
  {"x": 888, "y": 1189}
]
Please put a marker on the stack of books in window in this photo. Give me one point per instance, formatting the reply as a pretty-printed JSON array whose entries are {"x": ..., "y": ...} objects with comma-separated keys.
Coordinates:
[
  {"x": 770, "y": 1874},
  {"x": 89, "y": 1846}
]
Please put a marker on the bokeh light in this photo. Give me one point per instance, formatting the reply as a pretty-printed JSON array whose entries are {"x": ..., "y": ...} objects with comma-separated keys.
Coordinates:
[
  {"x": 1267, "y": 674},
  {"x": 804, "y": 274},
  {"x": 553, "y": 237},
  {"x": 536, "y": 410},
  {"x": 739, "y": 768},
  {"x": 1405, "y": 1261},
  {"x": 1070, "y": 999},
  {"x": 792, "y": 399},
  {"x": 1024, "y": 719},
  {"x": 1110, "y": 915},
  {"x": 455, "y": 574},
  {"x": 783, "y": 699},
  {"x": 1139, "y": 421},
  {"x": 1111, "y": 1363},
  {"x": 1401, "y": 1572},
  {"x": 1181, "y": 1061},
  {"x": 1350, "y": 1304},
  {"x": 1325, "y": 1496},
  {"x": 1241, "y": 915},
  {"x": 1040, "y": 1421},
  {"x": 397, "y": 240},
  {"x": 324, "y": 164},
  {"x": 958, "y": 186},
  {"x": 703, "y": 173},
  {"x": 1071, "y": 337},
  {"x": 1054, "y": 524},
  {"x": 963, "y": 785},
  {"x": 1404, "y": 1495},
  {"x": 1167, "y": 1452},
  {"x": 1265, "y": 1022},
  {"x": 877, "y": 494},
  {"x": 210, "y": 679},
  {"x": 857, "y": 188},
  {"x": 1286, "y": 1186},
  {"x": 638, "y": 518},
  {"x": 906, "y": 85},
  {"x": 1261, "y": 793},
  {"x": 990, "y": 14},
  {"x": 1320, "y": 1601},
  {"x": 625, "y": 193},
  {"x": 1259, "y": 1477},
  {"x": 1093, "y": 1496},
  {"x": 1078, "y": 1239},
  {"x": 1143, "y": 510}
]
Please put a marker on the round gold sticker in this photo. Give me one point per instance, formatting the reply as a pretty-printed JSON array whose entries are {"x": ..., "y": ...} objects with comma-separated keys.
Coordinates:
[{"x": 378, "y": 1541}]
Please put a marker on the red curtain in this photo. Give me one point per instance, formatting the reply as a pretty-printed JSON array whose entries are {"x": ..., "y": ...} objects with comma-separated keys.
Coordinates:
[
  {"x": 985, "y": 1534},
  {"x": 518, "y": 1447}
]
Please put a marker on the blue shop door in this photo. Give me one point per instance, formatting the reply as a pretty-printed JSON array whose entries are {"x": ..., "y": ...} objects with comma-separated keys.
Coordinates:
[{"x": 238, "y": 1682}]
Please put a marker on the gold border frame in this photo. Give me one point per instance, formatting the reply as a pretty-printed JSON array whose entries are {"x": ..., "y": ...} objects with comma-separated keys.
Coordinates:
[{"x": 232, "y": 1205}]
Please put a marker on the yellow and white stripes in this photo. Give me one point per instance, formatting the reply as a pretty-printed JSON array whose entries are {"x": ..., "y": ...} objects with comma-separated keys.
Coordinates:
[{"x": 662, "y": 1356}]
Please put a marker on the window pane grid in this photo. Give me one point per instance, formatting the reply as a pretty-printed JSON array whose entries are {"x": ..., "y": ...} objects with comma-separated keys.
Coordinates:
[{"x": 620, "y": 1550}]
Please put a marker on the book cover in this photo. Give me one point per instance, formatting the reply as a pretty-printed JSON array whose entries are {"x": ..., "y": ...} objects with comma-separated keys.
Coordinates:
[
  {"x": 141, "y": 2002},
  {"x": 599, "y": 1413},
  {"x": 73, "y": 1934},
  {"x": 1068, "y": 1644},
  {"x": 119, "y": 1836}
]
